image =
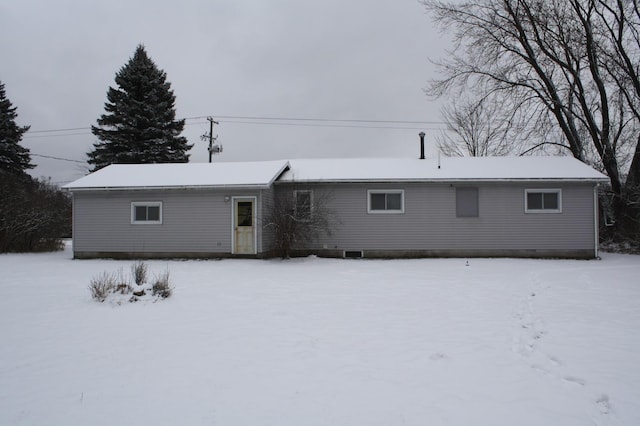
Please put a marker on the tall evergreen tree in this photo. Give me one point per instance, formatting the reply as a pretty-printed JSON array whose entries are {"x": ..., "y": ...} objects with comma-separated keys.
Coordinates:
[
  {"x": 14, "y": 158},
  {"x": 140, "y": 124}
]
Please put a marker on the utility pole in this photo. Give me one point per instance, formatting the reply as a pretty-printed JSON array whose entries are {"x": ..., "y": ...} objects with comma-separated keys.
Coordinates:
[{"x": 212, "y": 148}]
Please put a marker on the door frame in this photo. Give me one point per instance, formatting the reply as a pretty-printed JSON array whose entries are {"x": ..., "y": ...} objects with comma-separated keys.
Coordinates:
[{"x": 254, "y": 218}]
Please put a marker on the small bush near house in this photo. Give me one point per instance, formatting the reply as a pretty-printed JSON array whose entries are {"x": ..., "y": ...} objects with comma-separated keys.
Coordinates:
[
  {"x": 139, "y": 272},
  {"x": 161, "y": 286},
  {"x": 294, "y": 225},
  {"x": 123, "y": 285},
  {"x": 102, "y": 285},
  {"x": 116, "y": 287}
]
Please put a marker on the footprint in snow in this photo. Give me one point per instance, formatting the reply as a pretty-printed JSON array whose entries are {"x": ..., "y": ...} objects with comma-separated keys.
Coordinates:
[
  {"x": 555, "y": 361},
  {"x": 437, "y": 356},
  {"x": 575, "y": 380},
  {"x": 604, "y": 404}
]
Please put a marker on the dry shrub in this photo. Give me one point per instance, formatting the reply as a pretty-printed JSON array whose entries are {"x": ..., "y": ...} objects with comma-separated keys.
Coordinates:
[
  {"x": 161, "y": 286},
  {"x": 102, "y": 285},
  {"x": 118, "y": 284},
  {"x": 139, "y": 272}
]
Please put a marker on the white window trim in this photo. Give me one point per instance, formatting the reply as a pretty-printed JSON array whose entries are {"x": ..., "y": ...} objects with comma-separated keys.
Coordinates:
[
  {"x": 545, "y": 191},
  {"x": 295, "y": 200},
  {"x": 385, "y": 191},
  {"x": 135, "y": 204}
]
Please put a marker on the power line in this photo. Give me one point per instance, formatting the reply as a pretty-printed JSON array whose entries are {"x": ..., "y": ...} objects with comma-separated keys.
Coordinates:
[
  {"x": 253, "y": 120},
  {"x": 279, "y": 121},
  {"x": 327, "y": 120},
  {"x": 262, "y": 123},
  {"x": 59, "y": 130},
  {"x": 57, "y": 158},
  {"x": 27, "y": 136}
]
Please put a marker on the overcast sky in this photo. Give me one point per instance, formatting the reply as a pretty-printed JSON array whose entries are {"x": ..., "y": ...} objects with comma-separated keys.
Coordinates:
[{"x": 330, "y": 59}]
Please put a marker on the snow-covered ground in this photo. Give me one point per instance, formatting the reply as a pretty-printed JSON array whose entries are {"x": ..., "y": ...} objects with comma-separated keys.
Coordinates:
[{"x": 324, "y": 342}]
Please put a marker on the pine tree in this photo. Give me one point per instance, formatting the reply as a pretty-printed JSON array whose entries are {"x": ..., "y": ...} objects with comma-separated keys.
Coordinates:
[
  {"x": 14, "y": 158},
  {"x": 140, "y": 124}
]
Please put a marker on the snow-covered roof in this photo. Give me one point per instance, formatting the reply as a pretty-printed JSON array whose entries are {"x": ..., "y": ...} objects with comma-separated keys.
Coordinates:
[
  {"x": 261, "y": 174},
  {"x": 258, "y": 174},
  {"x": 444, "y": 169}
]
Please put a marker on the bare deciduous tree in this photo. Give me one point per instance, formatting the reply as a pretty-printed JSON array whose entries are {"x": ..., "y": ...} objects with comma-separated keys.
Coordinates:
[
  {"x": 569, "y": 67},
  {"x": 476, "y": 128},
  {"x": 34, "y": 215}
]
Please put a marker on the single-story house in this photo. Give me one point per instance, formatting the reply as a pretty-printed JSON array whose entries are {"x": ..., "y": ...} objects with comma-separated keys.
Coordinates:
[{"x": 391, "y": 207}]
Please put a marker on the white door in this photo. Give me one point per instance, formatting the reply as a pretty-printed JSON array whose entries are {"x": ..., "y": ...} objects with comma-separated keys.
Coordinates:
[{"x": 244, "y": 226}]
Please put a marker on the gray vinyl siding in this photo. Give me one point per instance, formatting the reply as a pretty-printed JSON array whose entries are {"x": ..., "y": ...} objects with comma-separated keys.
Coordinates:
[
  {"x": 193, "y": 221},
  {"x": 263, "y": 228},
  {"x": 199, "y": 222},
  {"x": 429, "y": 221}
]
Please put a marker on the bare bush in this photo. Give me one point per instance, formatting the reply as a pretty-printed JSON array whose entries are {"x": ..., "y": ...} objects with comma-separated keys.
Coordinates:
[
  {"x": 103, "y": 285},
  {"x": 139, "y": 272},
  {"x": 161, "y": 285},
  {"x": 118, "y": 289},
  {"x": 122, "y": 283},
  {"x": 298, "y": 221}
]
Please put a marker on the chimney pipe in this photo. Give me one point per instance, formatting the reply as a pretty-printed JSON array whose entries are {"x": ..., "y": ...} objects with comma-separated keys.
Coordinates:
[{"x": 421, "y": 134}]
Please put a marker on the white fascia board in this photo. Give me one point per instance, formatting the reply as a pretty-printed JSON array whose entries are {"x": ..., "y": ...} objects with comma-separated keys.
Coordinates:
[
  {"x": 465, "y": 180},
  {"x": 162, "y": 188},
  {"x": 286, "y": 166}
]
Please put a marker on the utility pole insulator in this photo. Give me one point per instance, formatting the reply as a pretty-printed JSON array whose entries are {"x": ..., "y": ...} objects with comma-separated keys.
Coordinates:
[{"x": 212, "y": 149}]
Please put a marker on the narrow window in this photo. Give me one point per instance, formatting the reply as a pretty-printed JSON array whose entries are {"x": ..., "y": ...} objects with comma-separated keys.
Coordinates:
[
  {"x": 146, "y": 212},
  {"x": 245, "y": 213},
  {"x": 543, "y": 201},
  {"x": 385, "y": 201},
  {"x": 467, "y": 202},
  {"x": 303, "y": 204}
]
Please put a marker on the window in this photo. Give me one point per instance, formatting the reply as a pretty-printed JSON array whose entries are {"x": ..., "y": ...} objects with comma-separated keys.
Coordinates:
[
  {"x": 467, "y": 202},
  {"x": 385, "y": 201},
  {"x": 543, "y": 201},
  {"x": 244, "y": 210},
  {"x": 146, "y": 212},
  {"x": 303, "y": 204}
]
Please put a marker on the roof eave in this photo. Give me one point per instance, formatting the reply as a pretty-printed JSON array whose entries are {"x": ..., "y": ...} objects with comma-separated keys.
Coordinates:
[
  {"x": 444, "y": 180},
  {"x": 159, "y": 188}
]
